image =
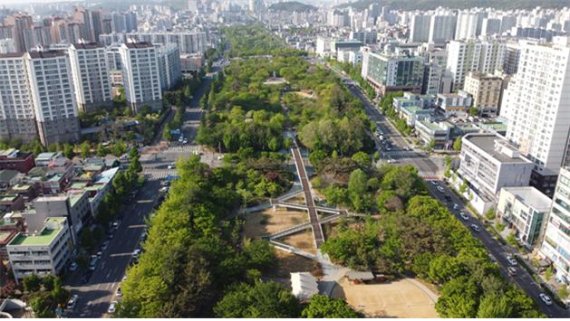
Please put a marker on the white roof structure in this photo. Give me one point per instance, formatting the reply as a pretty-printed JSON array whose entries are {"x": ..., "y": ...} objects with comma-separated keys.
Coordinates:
[{"x": 304, "y": 285}]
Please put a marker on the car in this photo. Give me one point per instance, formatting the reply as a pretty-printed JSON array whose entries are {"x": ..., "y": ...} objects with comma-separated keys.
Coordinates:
[
  {"x": 545, "y": 298},
  {"x": 455, "y": 206},
  {"x": 512, "y": 261},
  {"x": 136, "y": 253},
  {"x": 93, "y": 262},
  {"x": 73, "y": 267},
  {"x": 441, "y": 189},
  {"x": 434, "y": 183},
  {"x": 475, "y": 227},
  {"x": 72, "y": 302},
  {"x": 110, "y": 236},
  {"x": 391, "y": 161},
  {"x": 118, "y": 293},
  {"x": 116, "y": 224},
  {"x": 99, "y": 254},
  {"x": 512, "y": 271},
  {"x": 220, "y": 157},
  {"x": 105, "y": 245},
  {"x": 112, "y": 307},
  {"x": 464, "y": 216}
]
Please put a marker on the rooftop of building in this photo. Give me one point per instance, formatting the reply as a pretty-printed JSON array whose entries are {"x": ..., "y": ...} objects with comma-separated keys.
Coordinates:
[
  {"x": 138, "y": 45},
  {"x": 43, "y": 54},
  {"x": 497, "y": 147},
  {"x": 46, "y": 236},
  {"x": 531, "y": 196},
  {"x": 46, "y": 156},
  {"x": 435, "y": 126},
  {"x": 8, "y": 152},
  {"x": 7, "y": 174},
  {"x": 87, "y": 45},
  {"x": 5, "y": 236},
  {"x": 74, "y": 198},
  {"x": 480, "y": 75}
]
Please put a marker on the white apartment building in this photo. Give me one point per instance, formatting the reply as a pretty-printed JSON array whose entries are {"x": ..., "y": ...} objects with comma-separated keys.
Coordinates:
[
  {"x": 442, "y": 28},
  {"x": 469, "y": 25},
  {"x": 53, "y": 98},
  {"x": 91, "y": 76},
  {"x": 484, "y": 56},
  {"x": 486, "y": 91},
  {"x": 420, "y": 28},
  {"x": 187, "y": 41},
  {"x": 525, "y": 210},
  {"x": 141, "y": 75},
  {"x": 556, "y": 241},
  {"x": 44, "y": 252},
  {"x": 489, "y": 163},
  {"x": 537, "y": 107},
  {"x": 17, "y": 120},
  {"x": 169, "y": 65}
]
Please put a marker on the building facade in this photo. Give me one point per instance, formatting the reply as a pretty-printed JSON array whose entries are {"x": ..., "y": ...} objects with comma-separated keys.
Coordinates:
[
  {"x": 537, "y": 107},
  {"x": 394, "y": 73},
  {"x": 141, "y": 75},
  {"x": 486, "y": 91},
  {"x": 169, "y": 66}
]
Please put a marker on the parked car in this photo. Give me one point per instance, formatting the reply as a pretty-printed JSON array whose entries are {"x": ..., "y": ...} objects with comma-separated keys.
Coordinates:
[
  {"x": 455, "y": 206},
  {"x": 136, "y": 253},
  {"x": 512, "y": 261},
  {"x": 464, "y": 216},
  {"x": 439, "y": 188},
  {"x": 105, "y": 245},
  {"x": 99, "y": 254},
  {"x": 72, "y": 302},
  {"x": 93, "y": 262},
  {"x": 112, "y": 307},
  {"x": 73, "y": 267},
  {"x": 475, "y": 227},
  {"x": 545, "y": 298}
]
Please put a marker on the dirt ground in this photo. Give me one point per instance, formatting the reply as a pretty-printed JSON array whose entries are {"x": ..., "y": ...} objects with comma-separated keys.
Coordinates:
[
  {"x": 289, "y": 263},
  {"x": 398, "y": 299},
  {"x": 269, "y": 221},
  {"x": 306, "y": 94},
  {"x": 303, "y": 240}
]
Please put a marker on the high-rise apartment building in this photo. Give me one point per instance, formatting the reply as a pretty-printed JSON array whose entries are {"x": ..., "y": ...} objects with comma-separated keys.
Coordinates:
[
  {"x": 484, "y": 56},
  {"x": 90, "y": 76},
  {"x": 556, "y": 240},
  {"x": 22, "y": 31},
  {"x": 187, "y": 42},
  {"x": 420, "y": 28},
  {"x": 169, "y": 67},
  {"x": 53, "y": 99},
  {"x": 537, "y": 107},
  {"x": 17, "y": 120},
  {"x": 442, "y": 28},
  {"x": 141, "y": 75}
]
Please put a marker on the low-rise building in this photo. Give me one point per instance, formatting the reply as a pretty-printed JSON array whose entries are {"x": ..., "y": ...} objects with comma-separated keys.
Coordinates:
[
  {"x": 524, "y": 209},
  {"x": 412, "y": 113},
  {"x": 489, "y": 163},
  {"x": 43, "y": 253},
  {"x": 411, "y": 99},
  {"x": 454, "y": 104},
  {"x": 438, "y": 133},
  {"x": 16, "y": 160}
]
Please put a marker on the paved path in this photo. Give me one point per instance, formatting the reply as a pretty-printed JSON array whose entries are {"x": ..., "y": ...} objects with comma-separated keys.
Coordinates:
[{"x": 314, "y": 219}]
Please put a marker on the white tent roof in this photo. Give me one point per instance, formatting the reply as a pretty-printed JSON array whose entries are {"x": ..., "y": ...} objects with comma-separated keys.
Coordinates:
[{"x": 304, "y": 285}]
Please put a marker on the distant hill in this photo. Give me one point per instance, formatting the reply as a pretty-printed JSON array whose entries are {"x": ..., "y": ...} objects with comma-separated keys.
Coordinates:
[
  {"x": 292, "y": 6},
  {"x": 457, "y": 4}
]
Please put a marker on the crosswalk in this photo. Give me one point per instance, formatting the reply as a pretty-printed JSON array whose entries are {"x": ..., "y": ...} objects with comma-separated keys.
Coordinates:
[{"x": 159, "y": 174}]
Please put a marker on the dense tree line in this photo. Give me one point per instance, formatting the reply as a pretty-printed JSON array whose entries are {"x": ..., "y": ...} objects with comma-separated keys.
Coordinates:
[
  {"x": 417, "y": 235},
  {"x": 255, "y": 40}
]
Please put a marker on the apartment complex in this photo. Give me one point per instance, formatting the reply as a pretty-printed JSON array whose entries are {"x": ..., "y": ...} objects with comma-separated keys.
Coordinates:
[
  {"x": 169, "y": 65},
  {"x": 141, "y": 75},
  {"x": 486, "y": 92},
  {"x": 537, "y": 107},
  {"x": 43, "y": 252},
  {"x": 525, "y": 210},
  {"x": 91, "y": 76},
  {"x": 465, "y": 56},
  {"x": 556, "y": 241}
]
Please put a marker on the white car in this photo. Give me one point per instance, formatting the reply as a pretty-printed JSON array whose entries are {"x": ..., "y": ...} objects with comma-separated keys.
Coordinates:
[
  {"x": 464, "y": 216},
  {"x": 112, "y": 307},
  {"x": 72, "y": 302},
  {"x": 545, "y": 298},
  {"x": 434, "y": 183},
  {"x": 119, "y": 293},
  {"x": 439, "y": 188},
  {"x": 73, "y": 267},
  {"x": 455, "y": 206},
  {"x": 475, "y": 227},
  {"x": 512, "y": 260}
]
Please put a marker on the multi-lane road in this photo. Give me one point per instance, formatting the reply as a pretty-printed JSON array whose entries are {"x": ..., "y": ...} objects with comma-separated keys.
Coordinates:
[
  {"x": 499, "y": 252},
  {"x": 99, "y": 291}
]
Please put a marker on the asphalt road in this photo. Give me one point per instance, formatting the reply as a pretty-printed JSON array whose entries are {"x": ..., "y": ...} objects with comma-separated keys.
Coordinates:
[
  {"x": 96, "y": 295},
  {"x": 499, "y": 252}
]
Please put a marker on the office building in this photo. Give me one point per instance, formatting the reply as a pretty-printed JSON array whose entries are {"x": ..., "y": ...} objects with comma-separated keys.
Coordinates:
[
  {"x": 90, "y": 76},
  {"x": 141, "y": 75},
  {"x": 537, "y": 107},
  {"x": 556, "y": 240},
  {"x": 524, "y": 209},
  {"x": 486, "y": 92},
  {"x": 53, "y": 98},
  {"x": 454, "y": 104},
  {"x": 388, "y": 73},
  {"x": 17, "y": 117},
  {"x": 484, "y": 56},
  {"x": 43, "y": 252}
]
